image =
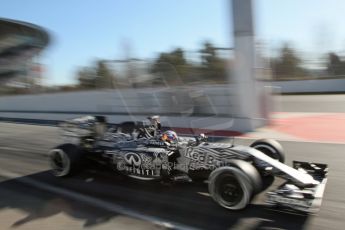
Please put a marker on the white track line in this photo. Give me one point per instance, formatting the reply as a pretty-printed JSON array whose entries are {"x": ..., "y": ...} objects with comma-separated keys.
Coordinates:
[{"x": 13, "y": 149}]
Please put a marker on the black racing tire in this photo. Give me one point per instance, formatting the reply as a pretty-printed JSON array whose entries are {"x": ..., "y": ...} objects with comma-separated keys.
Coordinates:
[
  {"x": 65, "y": 160},
  {"x": 270, "y": 148},
  {"x": 126, "y": 127},
  {"x": 251, "y": 171},
  {"x": 234, "y": 186}
]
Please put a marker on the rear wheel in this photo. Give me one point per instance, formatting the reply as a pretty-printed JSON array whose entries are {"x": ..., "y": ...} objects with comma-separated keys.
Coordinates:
[
  {"x": 65, "y": 160},
  {"x": 234, "y": 186}
]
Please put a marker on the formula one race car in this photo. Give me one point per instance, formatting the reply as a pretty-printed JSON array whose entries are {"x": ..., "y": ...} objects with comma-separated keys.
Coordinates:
[{"x": 235, "y": 174}]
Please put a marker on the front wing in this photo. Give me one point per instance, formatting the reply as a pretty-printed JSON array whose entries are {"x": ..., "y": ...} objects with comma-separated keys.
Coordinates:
[{"x": 305, "y": 199}]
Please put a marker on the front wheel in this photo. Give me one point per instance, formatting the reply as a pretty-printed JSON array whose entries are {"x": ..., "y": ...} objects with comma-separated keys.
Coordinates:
[
  {"x": 270, "y": 148},
  {"x": 234, "y": 186},
  {"x": 65, "y": 159}
]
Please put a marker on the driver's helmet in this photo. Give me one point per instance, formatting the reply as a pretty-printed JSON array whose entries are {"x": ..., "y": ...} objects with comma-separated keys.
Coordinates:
[{"x": 169, "y": 136}]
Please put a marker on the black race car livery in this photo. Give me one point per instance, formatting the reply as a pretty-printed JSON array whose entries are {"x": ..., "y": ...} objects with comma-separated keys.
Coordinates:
[{"x": 234, "y": 173}]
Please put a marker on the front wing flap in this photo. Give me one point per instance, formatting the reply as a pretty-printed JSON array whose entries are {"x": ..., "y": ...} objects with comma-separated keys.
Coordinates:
[{"x": 305, "y": 199}]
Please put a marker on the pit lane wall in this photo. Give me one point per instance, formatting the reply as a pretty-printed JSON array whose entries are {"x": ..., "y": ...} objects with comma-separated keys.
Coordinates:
[
  {"x": 310, "y": 86},
  {"x": 190, "y": 109}
]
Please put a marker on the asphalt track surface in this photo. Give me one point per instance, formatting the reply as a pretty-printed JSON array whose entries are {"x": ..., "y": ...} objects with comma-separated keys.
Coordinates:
[{"x": 31, "y": 198}]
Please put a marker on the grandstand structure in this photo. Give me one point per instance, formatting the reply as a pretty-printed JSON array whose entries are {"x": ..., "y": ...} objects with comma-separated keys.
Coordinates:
[{"x": 20, "y": 44}]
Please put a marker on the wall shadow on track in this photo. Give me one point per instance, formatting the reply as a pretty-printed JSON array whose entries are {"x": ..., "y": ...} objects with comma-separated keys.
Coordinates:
[
  {"x": 187, "y": 204},
  {"x": 39, "y": 204}
]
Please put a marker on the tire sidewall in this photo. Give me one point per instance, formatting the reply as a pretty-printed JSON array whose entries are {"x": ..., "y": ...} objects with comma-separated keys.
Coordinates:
[
  {"x": 70, "y": 155},
  {"x": 270, "y": 148},
  {"x": 242, "y": 179}
]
